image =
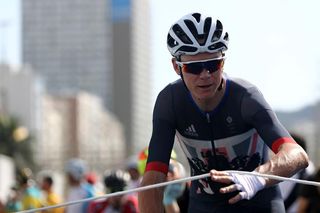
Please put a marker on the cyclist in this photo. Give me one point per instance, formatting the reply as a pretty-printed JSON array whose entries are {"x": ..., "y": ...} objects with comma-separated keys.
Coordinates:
[{"x": 221, "y": 123}]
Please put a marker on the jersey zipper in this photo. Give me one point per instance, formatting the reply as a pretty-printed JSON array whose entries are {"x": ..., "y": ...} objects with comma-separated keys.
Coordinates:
[{"x": 212, "y": 139}]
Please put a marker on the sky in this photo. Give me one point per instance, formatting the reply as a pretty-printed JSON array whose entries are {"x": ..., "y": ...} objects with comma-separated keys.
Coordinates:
[
  {"x": 274, "y": 44},
  {"x": 10, "y": 42}
]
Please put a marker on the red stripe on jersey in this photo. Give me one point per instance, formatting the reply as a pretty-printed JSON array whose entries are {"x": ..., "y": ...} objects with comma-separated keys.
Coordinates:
[
  {"x": 157, "y": 166},
  {"x": 277, "y": 143}
]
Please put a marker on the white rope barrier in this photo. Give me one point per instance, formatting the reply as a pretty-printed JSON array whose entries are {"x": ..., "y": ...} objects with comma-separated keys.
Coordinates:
[
  {"x": 119, "y": 193},
  {"x": 275, "y": 177},
  {"x": 139, "y": 189}
]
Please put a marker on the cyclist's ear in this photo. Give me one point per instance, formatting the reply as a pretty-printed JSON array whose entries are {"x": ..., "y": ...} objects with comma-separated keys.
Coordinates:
[{"x": 176, "y": 66}]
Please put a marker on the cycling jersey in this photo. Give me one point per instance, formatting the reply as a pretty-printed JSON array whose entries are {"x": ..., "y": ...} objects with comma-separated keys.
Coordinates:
[{"x": 236, "y": 135}]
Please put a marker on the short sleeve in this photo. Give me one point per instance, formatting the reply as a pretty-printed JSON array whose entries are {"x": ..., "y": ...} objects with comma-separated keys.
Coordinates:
[
  {"x": 258, "y": 113},
  {"x": 163, "y": 132}
]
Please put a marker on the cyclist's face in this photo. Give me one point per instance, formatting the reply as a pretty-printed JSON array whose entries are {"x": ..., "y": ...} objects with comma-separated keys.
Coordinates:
[{"x": 203, "y": 86}]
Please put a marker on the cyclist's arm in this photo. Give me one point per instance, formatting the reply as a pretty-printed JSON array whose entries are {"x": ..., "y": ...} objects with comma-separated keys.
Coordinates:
[
  {"x": 159, "y": 152},
  {"x": 151, "y": 200},
  {"x": 288, "y": 160},
  {"x": 289, "y": 157}
]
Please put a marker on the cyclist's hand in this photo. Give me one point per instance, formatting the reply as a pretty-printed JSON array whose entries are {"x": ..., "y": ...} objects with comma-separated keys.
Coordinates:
[{"x": 248, "y": 185}]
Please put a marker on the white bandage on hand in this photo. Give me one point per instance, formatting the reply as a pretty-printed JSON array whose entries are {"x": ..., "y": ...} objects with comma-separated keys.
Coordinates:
[{"x": 249, "y": 185}]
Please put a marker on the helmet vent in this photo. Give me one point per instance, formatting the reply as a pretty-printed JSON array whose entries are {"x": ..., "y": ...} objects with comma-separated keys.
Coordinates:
[
  {"x": 181, "y": 34},
  {"x": 187, "y": 49},
  {"x": 217, "y": 46},
  {"x": 197, "y": 16},
  {"x": 171, "y": 41},
  {"x": 218, "y": 32},
  {"x": 207, "y": 25},
  {"x": 226, "y": 37},
  {"x": 201, "y": 38}
]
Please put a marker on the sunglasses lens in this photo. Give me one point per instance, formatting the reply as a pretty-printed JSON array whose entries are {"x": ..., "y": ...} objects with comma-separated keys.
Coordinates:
[
  {"x": 194, "y": 68},
  {"x": 213, "y": 66},
  {"x": 197, "y": 67}
]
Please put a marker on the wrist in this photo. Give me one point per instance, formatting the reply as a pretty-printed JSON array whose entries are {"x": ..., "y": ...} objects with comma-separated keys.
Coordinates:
[{"x": 249, "y": 185}]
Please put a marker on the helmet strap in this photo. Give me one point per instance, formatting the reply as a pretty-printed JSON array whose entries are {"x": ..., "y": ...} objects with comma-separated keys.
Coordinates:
[
  {"x": 181, "y": 75},
  {"x": 221, "y": 85}
]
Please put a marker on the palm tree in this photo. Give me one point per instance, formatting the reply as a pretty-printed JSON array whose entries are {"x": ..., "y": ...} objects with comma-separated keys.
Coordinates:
[{"x": 16, "y": 142}]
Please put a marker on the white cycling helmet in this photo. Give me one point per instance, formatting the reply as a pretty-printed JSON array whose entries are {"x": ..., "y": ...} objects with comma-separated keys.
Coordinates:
[{"x": 195, "y": 33}]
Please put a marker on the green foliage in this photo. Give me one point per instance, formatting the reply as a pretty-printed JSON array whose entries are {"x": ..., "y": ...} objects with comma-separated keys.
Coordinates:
[{"x": 16, "y": 142}]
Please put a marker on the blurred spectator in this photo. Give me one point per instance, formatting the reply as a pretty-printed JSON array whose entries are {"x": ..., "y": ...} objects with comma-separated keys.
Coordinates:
[
  {"x": 115, "y": 181},
  {"x": 51, "y": 198},
  {"x": 290, "y": 190},
  {"x": 309, "y": 197},
  {"x": 135, "y": 177},
  {"x": 91, "y": 178},
  {"x": 30, "y": 193},
  {"x": 183, "y": 200},
  {"x": 93, "y": 184},
  {"x": 78, "y": 188},
  {"x": 173, "y": 192},
  {"x": 13, "y": 203}
]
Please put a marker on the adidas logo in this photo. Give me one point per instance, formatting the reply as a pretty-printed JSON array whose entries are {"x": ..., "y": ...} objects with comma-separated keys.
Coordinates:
[{"x": 191, "y": 131}]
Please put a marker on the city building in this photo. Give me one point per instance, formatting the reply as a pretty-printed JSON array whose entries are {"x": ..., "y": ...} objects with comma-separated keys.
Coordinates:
[
  {"x": 69, "y": 44},
  {"x": 20, "y": 95},
  {"x": 132, "y": 70},
  {"x": 101, "y": 47},
  {"x": 79, "y": 126}
]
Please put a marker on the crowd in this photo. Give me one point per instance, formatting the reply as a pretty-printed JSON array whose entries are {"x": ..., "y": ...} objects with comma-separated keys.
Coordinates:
[
  {"x": 37, "y": 191},
  {"x": 31, "y": 193}
]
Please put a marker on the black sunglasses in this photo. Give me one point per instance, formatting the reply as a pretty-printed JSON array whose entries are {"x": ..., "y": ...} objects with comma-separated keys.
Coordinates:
[{"x": 196, "y": 67}]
